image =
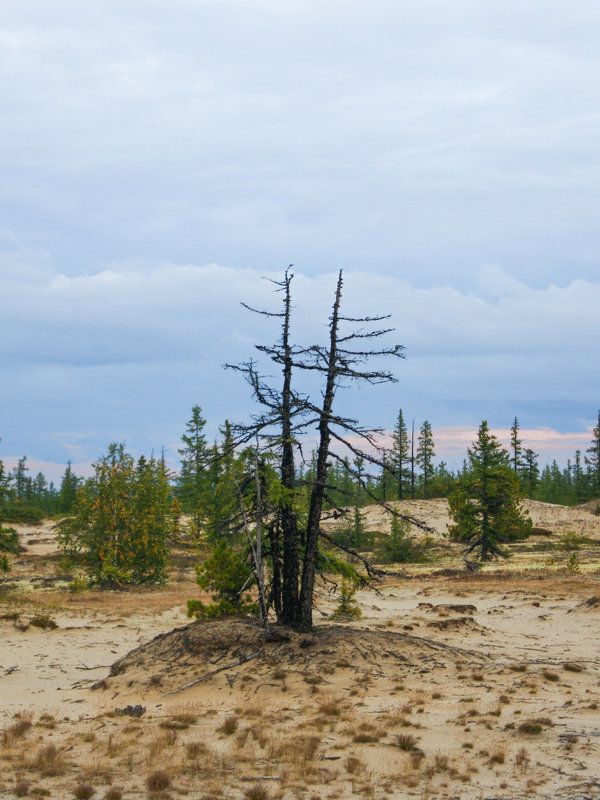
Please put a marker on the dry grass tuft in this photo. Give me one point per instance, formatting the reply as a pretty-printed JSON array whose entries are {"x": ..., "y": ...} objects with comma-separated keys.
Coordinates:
[
  {"x": 113, "y": 794},
  {"x": 21, "y": 789},
  {"x": 550, "y": 676},
  {"x": 522, "y": 760},
  {"x": 405, "y": 742},
  {"x": 49, "y": 761},
  {"x": 17, "y": 730},
  {"x": 530, "y": 727},
  {"x": 229, "y": 725},
  {"x": 571, "y": 666},
  {"x": 331, "y": 705},
  {"x": 354, "y": 765},
  {"x": 158, "y": 781},
  {"x": 43, "y": 621},
  {"x": 257, "y": 792},
  {"x": 84, "y": 791},
  {"x": 195, "y": 749}
]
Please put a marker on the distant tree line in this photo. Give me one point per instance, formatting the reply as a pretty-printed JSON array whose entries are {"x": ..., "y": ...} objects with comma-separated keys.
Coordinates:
[{"x": 205, "y": 489}]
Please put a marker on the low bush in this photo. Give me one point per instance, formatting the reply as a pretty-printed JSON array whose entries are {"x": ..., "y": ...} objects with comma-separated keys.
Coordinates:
[{"x": 399, "y": 546}]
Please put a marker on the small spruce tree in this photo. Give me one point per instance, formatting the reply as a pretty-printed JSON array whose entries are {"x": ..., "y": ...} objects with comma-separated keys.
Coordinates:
[{"x": 485, "y": 503}]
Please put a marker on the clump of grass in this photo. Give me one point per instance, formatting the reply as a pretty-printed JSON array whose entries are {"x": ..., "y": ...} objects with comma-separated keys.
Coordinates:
[
  {"x": 416, "y": 759},
  {"x": 365, "y": 738},
  {"x": 17, "y": 730},
  {"x": 195, "y": 749},
  {"x": 405, "y": 742},
  {"x": 550, "y": 676},
  {"x": 331, "y": 705},
  {"x": 229, "y": 726},
  {"x": 257, "y": 792},
  {"x": 49, "y": 761},
  {"x": 21, "y": 789},
  {"x": 83, "y": 791},
  {"x": 179, "y": 722},
  {"x": 353, "y": 765},
  {"x": 440, "y": 762},
  {"x": 43, "y": 621},
  {"x": 498, "y": 757},
  {"x": 530, "y": 727},
  {"x": 297, "y": 750},
  {"x": 522, "y": 760},
  {"x": 518, "y": 667},
  {"x": 113, "y": 794},
  {"x": 477, "y": 676},
  {"x": 571, "y": 666},
  {"x": 313, "y": 680},
  {"x": 158, "y": 781}
]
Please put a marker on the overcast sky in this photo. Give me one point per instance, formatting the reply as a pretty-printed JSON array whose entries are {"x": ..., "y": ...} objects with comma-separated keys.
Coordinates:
[{"x": 158, "y": 160}]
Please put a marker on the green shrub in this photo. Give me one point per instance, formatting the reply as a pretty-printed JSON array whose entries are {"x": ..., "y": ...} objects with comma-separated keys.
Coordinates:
[
  {"x": 347, "y": 607},
  {"x": 354, "y": 536},
  {"x": 399, "y": 546},
  {"x": 23, "y": 512},
  {"x": 78, "y": 584},
  {"x": 225, "y": 574},
  {"x": 9, "y": 543},
  {"x": 573, "y": 564},
  {"x": 121, "y": 519},
  {"x": 575, "y": 541}
]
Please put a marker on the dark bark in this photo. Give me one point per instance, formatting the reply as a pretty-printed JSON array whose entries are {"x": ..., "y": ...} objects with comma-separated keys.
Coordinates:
[
  {"x": 290, "y": 572},
  {"x": 304, "y": 620}
]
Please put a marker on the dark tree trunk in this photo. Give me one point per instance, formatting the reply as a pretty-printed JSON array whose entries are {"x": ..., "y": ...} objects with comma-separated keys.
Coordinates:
[
  {"x": 289, "y": 595},
  {"x": 304, "y": 621}
]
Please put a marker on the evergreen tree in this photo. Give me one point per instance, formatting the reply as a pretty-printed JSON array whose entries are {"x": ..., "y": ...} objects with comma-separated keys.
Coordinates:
[
  {"x": 580, "y": 480},
  {"x": 121, "y": 519},
  {"x": 425, "y": 454},
  {"x": 20, "y": 480},
  {"x": 516, "y": 447},
  {"x": 529, "y": 472},
  {"x": 400, "y": 458},
  {"x": 412, "y": 461},
  {"x": 9, "y": 540},
  {"x": 68, "y": 490},
  {"x": 442, "y": 482},
  {"x": 398, "y": 546},
  {"x": 193, "y": 477},
  {"x": 593, "y": 461},
  {"x": 485, "y": 504}
]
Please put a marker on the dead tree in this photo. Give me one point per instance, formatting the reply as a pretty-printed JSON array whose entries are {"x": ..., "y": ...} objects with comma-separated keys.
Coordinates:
[{"x": 346, "y": 357}]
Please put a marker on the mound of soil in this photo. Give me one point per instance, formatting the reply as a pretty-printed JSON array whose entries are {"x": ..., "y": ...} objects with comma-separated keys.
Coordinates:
[{"x": 206, "y": 650}]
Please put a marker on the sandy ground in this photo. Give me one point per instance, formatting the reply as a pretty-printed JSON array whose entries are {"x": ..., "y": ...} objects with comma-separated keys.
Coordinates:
[{"x": 450, "y": 685}]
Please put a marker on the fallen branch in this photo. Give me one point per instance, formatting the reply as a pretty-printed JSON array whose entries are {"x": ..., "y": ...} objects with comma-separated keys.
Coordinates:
[{"x": 237, "y": 663}]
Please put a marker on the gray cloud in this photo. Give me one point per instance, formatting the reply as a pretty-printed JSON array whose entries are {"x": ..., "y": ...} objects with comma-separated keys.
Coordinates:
[
  {"x": 444, "y": 154},
  {"x": 124, "y": 353},
  {"x": 419, "y": 139}
]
